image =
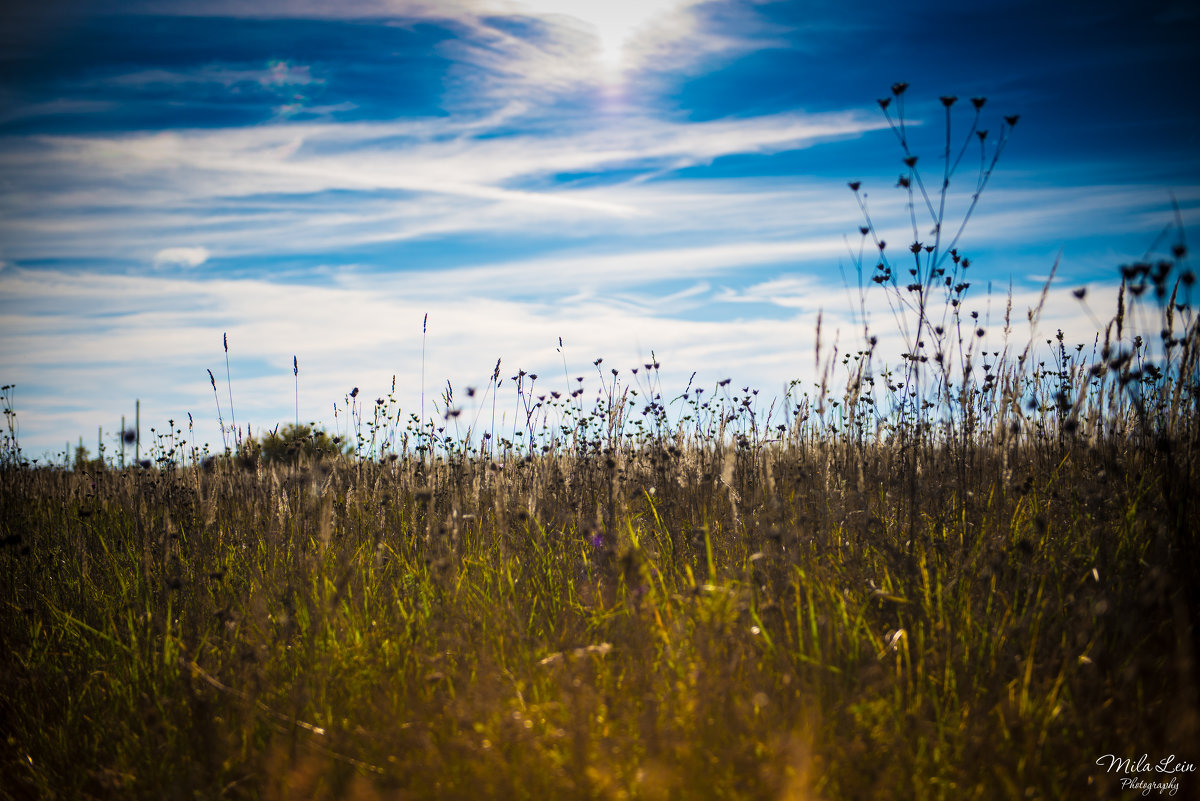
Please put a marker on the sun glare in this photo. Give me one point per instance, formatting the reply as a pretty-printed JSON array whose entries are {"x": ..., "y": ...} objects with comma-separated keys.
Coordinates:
[{"x": 616, "y": 23}]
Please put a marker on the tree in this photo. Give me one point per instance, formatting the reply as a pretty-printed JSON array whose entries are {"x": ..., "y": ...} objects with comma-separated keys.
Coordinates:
[{"x": 296, "y": 442}]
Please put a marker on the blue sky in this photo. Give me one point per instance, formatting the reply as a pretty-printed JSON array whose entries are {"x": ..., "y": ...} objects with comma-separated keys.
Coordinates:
[{"x": 314, "y": 178}]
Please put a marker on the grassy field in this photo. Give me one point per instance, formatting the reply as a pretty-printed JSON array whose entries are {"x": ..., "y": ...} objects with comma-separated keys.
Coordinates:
[{"x": 970, "y": 576}]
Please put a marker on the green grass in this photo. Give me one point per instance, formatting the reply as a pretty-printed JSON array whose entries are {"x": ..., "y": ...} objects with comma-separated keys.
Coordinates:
[
  {"x": 556, "y": 629},
  {"x": 969, "y": 576}
]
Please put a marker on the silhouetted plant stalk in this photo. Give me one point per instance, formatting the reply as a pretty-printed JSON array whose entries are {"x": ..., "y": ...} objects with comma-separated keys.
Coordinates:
[
  {"x": 10, "y": 448},
  {"x": 220, "y": 418},
  {"x": 910, "y": 304},
  {"x": 296, "y": 375},
  {"x": 229, "y": 385}
]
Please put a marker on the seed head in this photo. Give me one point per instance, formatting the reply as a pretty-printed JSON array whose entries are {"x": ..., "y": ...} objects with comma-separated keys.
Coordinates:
[
  {"x": 948, "y": 100},
  {"x": 898, "y": 88},
  {"x": 978, "y": 102}
]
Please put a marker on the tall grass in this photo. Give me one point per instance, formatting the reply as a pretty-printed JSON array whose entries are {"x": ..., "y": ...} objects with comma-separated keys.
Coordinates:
[{"x": 963, "y": 577}]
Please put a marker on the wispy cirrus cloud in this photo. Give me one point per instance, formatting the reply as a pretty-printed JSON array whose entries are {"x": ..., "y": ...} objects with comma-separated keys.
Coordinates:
[
  {"x": 516, "y": 47},
  {"x": 276, "y": 74},
  {"x": 319, "y": 186}
]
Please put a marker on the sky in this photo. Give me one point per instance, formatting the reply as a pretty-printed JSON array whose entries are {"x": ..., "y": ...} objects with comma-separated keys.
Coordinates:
[{"x": 405, "y": 191}]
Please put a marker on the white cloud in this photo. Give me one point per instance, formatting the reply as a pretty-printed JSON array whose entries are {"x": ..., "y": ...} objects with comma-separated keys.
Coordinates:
[
  {"x": 186, "y": 257},
  {"x": 574, "y": 43},
  {"x": 74, "y": 196},
  {"x": 275, "y": 74},
  {"x": 83, "y": 346}
]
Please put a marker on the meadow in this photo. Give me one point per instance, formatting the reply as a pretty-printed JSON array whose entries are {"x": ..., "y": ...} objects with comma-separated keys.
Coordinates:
[{"x": 968, "y": 574}]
